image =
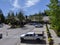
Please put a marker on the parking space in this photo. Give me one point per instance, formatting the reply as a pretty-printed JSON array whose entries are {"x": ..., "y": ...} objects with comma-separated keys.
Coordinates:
[{"x": 35, "y": 42}]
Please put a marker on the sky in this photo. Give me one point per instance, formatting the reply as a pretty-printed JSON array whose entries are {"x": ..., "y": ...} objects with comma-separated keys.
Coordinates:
[{"x": 28, "y": 7}]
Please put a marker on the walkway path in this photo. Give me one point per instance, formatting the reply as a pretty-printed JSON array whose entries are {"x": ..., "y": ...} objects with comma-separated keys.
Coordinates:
[{"x": 54, "y": 36}]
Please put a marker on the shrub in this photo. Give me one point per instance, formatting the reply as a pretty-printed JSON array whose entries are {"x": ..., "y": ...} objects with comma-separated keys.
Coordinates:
[
  {"x": 48, "y": 33},
  {"x": 13, "y": 26},
  {"x": 50, "y": 41},
  {"x": 58, "y": 33}
]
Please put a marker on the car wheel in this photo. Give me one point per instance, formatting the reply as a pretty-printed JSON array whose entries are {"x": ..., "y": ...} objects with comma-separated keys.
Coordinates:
[
  {"x": 22, "y": 39},
  {"x": 38, "y": 39},
  {"x": 0, "y": 36}
]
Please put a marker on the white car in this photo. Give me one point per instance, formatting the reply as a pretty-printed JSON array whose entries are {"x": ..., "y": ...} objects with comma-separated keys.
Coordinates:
[
  {"x": 31, "y": 36},
  {"x": 38, "y": 25}
]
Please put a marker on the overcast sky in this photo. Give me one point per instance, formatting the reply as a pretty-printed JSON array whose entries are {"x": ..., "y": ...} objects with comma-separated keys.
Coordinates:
[{"x": 28, "y": 6}]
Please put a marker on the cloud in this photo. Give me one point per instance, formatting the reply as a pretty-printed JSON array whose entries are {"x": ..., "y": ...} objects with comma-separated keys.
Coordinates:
[
  {"x": 27, "y": 4},
  {"x": 30, "y": 3},
  {"x": 15, "y": 5}
]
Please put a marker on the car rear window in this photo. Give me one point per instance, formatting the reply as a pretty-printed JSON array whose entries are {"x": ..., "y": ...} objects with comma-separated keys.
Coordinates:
[
  {"x": 29, "y": 35},
  {"x": 40, "y": 34}
]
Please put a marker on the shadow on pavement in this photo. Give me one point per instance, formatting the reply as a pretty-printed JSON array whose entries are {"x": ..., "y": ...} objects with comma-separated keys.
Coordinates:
[
  {"x": 34, "y": 42},
  {"x": 25, "y": 28}
]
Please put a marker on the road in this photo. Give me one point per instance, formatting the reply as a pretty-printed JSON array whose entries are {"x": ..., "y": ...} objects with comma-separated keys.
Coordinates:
[{"x": 12, "y": 36}]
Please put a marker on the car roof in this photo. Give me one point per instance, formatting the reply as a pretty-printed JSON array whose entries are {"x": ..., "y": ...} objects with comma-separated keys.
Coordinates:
[
  {"x": 22, "y": 35},
  {"x": 38, "y": 33},
  {"x": 30, "y": 33}
]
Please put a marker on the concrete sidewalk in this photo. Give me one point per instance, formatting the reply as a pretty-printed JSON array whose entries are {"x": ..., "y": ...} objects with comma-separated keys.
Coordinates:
[{"x": 54, "y": 36}]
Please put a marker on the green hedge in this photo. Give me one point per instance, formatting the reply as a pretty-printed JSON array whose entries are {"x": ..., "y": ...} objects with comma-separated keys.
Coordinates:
[
  {"x": 49, "y": 36},
  {"x": 48, "y": 33}
]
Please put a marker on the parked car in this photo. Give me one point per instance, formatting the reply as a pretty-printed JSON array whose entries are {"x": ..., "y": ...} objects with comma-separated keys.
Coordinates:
[
  {"x": 38, "y": 25},
  {"x": 32, "y": 23},
  {"x": 31, "y": 36}
]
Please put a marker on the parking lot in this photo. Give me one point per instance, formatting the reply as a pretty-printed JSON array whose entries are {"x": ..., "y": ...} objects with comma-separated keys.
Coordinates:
[
  {"x": 12, "y": 36},
  {"x": 34, "y": 42}
]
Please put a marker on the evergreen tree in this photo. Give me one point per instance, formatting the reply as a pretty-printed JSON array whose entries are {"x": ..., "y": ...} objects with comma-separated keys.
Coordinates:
[
  {"x": 2, "y": 17},
  {"x": 54, "y": 14},
  {"x": 10, "y": 17},
  {"x": 20, "y": 16}
]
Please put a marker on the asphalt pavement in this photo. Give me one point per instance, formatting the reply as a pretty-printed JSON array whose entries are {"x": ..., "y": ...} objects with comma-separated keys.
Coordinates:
[
  {"x": 12, "y": 36},
  {"x": 34, "y": 42}
]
